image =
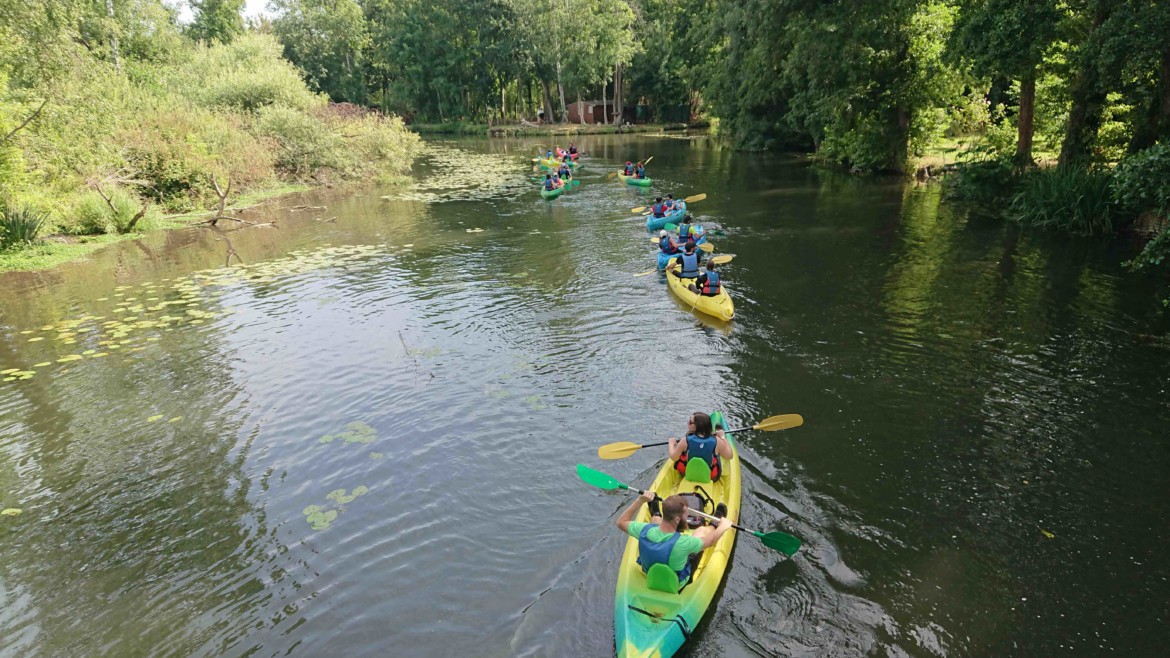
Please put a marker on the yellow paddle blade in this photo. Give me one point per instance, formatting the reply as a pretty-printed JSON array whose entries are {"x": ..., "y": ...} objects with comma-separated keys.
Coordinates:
[
  {"x": 707, "y": 247},
  {"x": 647, "y": 272},
  {"x": 619, "y": 450},
  {"x": 638, "y": 209},
  {"x": 612, "y": 175},
  {"x": 697, "y": 197},
  {"x": 781, "y": 422},
  {"x": 647, "y": 213},
  {"x": 722, "y": 260},
  {"x": 653, "y": 240},
  {"x": 647, "y": 161}
]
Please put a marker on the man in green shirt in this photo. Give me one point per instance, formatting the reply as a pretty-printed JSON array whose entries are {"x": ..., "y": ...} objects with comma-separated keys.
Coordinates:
[{"x": 661, "y": 540}]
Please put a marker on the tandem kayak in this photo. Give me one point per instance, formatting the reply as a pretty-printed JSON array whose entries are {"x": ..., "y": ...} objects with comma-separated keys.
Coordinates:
[
  {"x": 562, "y": 153},
  {"x": 552, "y": 164},
  {"x": 673, "y": 217},
  {"x": 720, "y": 306},
  {"x": 640, "y": 182},
  {"x": 650, "y": 623},
  {"x": 553, "y": 193}
]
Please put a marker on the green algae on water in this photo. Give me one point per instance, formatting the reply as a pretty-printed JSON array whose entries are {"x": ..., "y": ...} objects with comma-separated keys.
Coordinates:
[{"x": 355, "y": 432}]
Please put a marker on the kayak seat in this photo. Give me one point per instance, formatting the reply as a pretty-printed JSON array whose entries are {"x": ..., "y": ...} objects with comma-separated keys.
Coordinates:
[
  {"x": 697, "y": 471},
  {"x": 662, "y": 578}
]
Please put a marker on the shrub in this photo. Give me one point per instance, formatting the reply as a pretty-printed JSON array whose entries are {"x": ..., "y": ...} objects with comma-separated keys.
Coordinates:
[
  {"x": 1141, "y": 182},
  {"x": 175, "y": 150},
  {"x": 982, "y": 181},
  {"x": 247, "y": 74},
  {"x": 92, "y": 215},
  {"x": 19, "y": 224},
  {"x": 306, "y": 143},
  {"x": 1077, "y": 199}
]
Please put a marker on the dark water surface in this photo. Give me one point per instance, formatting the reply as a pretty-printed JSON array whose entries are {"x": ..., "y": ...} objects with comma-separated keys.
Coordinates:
[{"x": 361, "y": 442}]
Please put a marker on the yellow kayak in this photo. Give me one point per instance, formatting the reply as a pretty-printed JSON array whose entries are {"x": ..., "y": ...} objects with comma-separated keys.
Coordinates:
[
  {"x": 719, "y": 306},
  {"x": 651, "y": 623}
]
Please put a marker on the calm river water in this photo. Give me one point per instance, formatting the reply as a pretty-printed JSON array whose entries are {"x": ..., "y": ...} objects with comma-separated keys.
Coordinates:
[{"x": 361, "y": 441}]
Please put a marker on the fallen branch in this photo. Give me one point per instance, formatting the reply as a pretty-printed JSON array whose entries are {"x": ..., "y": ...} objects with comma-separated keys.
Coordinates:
[{"x": 27, "y": 121}]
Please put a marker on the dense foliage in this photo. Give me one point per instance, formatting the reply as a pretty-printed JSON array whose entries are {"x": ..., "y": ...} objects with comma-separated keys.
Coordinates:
[{"x": 110, "y": 112}]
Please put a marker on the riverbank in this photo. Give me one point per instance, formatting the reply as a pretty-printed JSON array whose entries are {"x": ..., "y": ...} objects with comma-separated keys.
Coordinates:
[
  {"x": 555, "y": 129},
  {"x": 52, "y": 250}
]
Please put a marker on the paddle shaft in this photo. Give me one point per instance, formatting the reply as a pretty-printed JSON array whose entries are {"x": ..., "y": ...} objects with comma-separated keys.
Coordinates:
[{"x": 662, "y": 443}]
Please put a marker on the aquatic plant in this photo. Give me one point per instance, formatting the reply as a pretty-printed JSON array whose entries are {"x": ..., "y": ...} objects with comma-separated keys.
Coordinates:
[
  {"x": 19, "y": 224},
  {"x": 1073, "y": 198}
]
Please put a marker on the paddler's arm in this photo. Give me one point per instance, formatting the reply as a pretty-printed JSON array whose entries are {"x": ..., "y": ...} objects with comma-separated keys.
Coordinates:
[
  {"x": 675, "y": 448},
  {"x": 722, "y": 447},
  {"x": 623, "y": 522},
  {"x": 710, "y": 538}
]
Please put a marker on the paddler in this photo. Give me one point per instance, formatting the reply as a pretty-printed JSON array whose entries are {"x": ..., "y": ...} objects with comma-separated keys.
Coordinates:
[
  {"x": 668, "y": 204},
  {"x": 565, "y": 172},
  {"x": 658, "y": 208},
  {"x": 707, "y": 284},
  {"x": 629, "y": 168},
  {"x": 557, "y": 182},
  {"x": 640, "y": 171},
  {"x": 548, "y": 182},
  {"x": 572, "y": 149},
  {"x": 661, "y": 541},
  {"x": 689, "y": 263},
  {"x": 666, "y": 244},
  {"x": 700, "y": 443}
]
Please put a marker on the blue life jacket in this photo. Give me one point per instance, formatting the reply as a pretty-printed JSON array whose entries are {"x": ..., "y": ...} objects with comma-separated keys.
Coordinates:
[
  {"x": 690, "y": 266},
  {"x": 641, "y": 173},
  {"x": 659, "y": 211},
  {"x": 711, "y": 287},
  {"x": 630, "y": 170},
  {"x": 703, "y": 447},
  {"x": 548, "y": 184},
  {"x": 651, "y": 553},
  {"x": 666, "y": 247}
]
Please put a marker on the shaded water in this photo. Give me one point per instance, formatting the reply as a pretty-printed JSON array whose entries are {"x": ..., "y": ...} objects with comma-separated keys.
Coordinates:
[{"x": 362, "y": 440}]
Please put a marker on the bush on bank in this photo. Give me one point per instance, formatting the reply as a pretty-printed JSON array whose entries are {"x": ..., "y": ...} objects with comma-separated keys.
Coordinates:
[{"x": 158, "y": 130}]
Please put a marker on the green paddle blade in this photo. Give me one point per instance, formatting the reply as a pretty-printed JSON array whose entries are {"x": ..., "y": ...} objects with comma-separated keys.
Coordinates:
[
  {"x": 671, "y": 227},
  {"x": 785, "y": 543},
  {"x": 598, "y": 479},
  {"x": 782, "y": 422}
]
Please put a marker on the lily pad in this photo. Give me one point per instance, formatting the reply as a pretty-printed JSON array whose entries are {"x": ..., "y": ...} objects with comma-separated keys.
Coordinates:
[
  {"x": 12, "y": 511},
  {"x": 321, "y": 520},
  {"x": 9, "y": 371},
  {"x": 42, "y": 364},
  {"x": 355, "y": 432},
  {"x": 154, "y": 418}
]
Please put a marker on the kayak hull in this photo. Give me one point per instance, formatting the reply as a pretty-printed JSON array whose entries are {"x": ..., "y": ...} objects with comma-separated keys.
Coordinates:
[
  {"x": 640, "y": 182},
  {"x": 674, "y": 217},
  {"x": 552, "y": 194},
  {"x": 552, "y": 164},
  {"x": 720, "y": 306},
  {"x": 673, "y": 617},
  {"x": 562, "y": 153}
]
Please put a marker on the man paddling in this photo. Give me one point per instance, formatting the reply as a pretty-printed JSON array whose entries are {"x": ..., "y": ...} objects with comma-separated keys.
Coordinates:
[{"x": 661, "y": 540}]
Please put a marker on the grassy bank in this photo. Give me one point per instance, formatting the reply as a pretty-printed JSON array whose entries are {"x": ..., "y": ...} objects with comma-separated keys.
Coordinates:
[
  {"x": 520, "y": 130},
  {"x": 53, "y": 250},
  {"x": 101, "y": 151}
]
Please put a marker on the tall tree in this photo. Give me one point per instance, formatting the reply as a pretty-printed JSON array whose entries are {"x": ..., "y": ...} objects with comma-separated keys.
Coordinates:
[
  {"x": 216, "y": 20},
  {"x": 327, "y": 40},
  {"x": 1008, "y": 38}
]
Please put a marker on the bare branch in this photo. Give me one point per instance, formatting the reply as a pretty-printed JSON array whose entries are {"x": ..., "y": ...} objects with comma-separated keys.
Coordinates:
[{"x": 25, "y": 122}]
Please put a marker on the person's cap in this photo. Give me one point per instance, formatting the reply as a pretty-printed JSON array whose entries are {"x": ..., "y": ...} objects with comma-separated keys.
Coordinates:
[{"x": 662, "y": 233}]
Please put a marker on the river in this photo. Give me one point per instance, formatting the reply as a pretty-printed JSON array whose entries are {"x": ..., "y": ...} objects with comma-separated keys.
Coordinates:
[{"x": 358, "y": 439}]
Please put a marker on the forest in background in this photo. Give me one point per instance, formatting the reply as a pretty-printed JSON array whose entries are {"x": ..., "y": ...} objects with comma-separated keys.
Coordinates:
[{"x": 119, "y": 90}]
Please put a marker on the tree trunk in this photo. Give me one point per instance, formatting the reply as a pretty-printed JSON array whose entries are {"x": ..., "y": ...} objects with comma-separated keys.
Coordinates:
[
  {"x": 1023, "y": 156},
  {"x": 113, "y": 36},
  {"x": 580, "y": 109},
  {"x": 604, "y": 107},
  {"x": 548, "y": 115},
  {"x": 617, "y": 94},
  {"x": 503, "y": 103},
  {"x": 561, "y": 88},
  {"x": 1088, "y": 101},
  {"x": 1156, "y": 122}
]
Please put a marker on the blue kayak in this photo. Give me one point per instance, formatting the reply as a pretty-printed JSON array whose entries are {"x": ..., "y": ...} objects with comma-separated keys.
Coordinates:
[
  {"x": 674, "y": 217},
  {"x": 664, "y": 258}
]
